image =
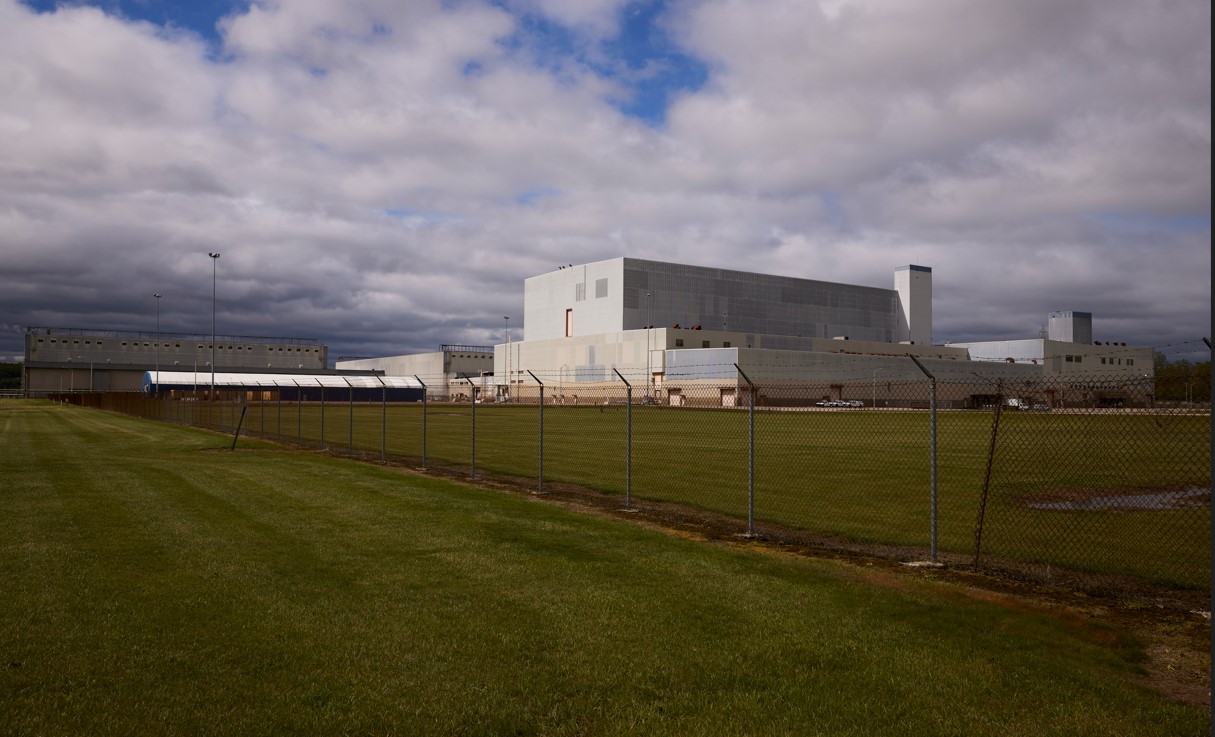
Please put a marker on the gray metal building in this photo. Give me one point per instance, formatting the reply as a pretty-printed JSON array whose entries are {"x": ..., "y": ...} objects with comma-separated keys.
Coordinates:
[
  {"x": 75, "y": 359},
  {"x": 631, "y": 294}
]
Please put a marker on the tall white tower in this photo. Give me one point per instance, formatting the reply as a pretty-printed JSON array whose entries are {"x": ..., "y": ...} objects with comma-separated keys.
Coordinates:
[
  {"x": 913, "y": 323},
  {"x": 1070, "y": 327}
]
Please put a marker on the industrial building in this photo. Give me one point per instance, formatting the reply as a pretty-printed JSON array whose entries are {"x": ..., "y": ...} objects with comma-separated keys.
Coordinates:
[
  {"x": 699, "y": 326},
  {"x": 74, "y": 359},
  {"x": 447, "y": 372}
]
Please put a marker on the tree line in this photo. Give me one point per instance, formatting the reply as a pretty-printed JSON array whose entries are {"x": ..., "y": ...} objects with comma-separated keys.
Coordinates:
[
  {"x": 10, "y": 376},
  {"x": 1182, "y": 380}
]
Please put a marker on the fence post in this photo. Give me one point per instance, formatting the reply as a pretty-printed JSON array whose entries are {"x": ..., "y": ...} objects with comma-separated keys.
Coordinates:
[
  {"x": 383, "y": 419},
  {"x": 322, "y": 388},
  {"x": 991, "y": 456},
  {"x": 350, "y": 425},
  {"x": 241, "y": 421},
  {"x": 932, "y": 424},
  {"x": 278, "y": 402},
  {"x": 473, "y": 402},
  {"x": 750, "y": 454},
  {"x": 299, "y": 413},
  {"x": 425, "y": 391},
  {"x": 540, "y": 480},
  {"x": 628, "y": 453}
]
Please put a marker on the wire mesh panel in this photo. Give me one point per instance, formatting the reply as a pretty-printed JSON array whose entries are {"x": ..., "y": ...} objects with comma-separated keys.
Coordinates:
[
  {"x": 586, "y": 438},
  {"x": 1104, "y": 475},
  {"x": 1102, "y": 479},
  {"x": 691, "y": 445},
  {"x": 828, "y": 464}
]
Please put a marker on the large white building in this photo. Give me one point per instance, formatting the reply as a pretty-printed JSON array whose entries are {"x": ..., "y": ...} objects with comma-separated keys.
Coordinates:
[{"x": 656, "y": 323}]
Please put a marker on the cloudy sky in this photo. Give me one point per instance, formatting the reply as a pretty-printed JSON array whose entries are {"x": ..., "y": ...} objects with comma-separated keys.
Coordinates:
[{"x": 382, "y": 175}]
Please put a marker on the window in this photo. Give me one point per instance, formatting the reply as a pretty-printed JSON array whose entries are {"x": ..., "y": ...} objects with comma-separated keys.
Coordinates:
[
  {"x": 1069, "y": 358},
  {"x": 579, "y": 292},
  {"x": 704, "y": 344},
  {"x": 725, "y": 344},
  {"x": 1079, "y": 359},
  {"x": 1130, "y": 362},
  {"x": 1103, "y": 362},
  {"x": 679, "y": 342},
  {"x": 600, "y": 288},
  {"x": 569, "y": 323}
]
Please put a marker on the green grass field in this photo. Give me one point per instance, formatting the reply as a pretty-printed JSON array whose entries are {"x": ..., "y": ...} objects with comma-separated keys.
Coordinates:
[
  {"x": 151, "y": 582},
  {"x": 862, "y": 476}
]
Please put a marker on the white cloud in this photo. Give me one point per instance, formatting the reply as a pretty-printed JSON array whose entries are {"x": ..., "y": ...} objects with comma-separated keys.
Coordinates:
[{"x": 383, "y": 175}]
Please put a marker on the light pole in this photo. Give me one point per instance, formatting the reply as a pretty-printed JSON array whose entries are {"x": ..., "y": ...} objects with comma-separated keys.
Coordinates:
[
  {"x": 214, "y": 261},
  {"x": 157, "y": 350},
  {"x": 507, "y": 319},
  {"x": 875, "y": 373}
]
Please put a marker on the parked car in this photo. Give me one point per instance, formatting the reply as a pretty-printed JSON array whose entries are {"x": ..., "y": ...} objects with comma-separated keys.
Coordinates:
[
  {"x": 853, "y": 403},
  {"x": 825, "y": 403}
]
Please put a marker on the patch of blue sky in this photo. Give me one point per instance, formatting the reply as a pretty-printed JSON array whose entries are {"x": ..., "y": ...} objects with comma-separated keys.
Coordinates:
[
  {"x": 199, "y": 16},
  {"x": 532, "y": 196},
  {"x": 1142, "y": 222},
  {"x": 642, "y": 58},
  {"x": 655, "y": 68},
  {"x": 836, "y": 212}
]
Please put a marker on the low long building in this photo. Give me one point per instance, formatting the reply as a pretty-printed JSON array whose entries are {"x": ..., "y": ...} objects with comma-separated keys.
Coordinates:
[{"x": 76, "y": 359}]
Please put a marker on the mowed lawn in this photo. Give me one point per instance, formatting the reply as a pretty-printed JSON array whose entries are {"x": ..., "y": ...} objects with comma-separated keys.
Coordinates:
[{"x": 152, "y": 582}]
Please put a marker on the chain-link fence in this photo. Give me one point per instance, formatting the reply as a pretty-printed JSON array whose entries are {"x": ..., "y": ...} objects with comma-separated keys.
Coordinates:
[{"x": 1102, "y": 477}]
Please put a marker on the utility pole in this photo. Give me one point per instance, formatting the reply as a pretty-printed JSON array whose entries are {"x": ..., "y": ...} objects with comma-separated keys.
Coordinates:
[
  {"x": 157, "y": 349},
  {"x": 214, "y": 261}
]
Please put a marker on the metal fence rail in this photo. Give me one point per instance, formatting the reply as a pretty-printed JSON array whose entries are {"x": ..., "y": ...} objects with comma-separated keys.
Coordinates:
[{"x": 1094, "y": 476}]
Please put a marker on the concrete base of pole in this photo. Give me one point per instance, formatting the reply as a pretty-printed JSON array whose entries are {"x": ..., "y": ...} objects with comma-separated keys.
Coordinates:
[{"x": 923, "y": 564}]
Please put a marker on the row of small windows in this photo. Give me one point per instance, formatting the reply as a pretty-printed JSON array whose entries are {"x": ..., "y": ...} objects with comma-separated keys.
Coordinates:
[
  {"x": 703, "y": 343},
  {"x": 178, "y": 345},
  {"x": 1104, "y": 361}
]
